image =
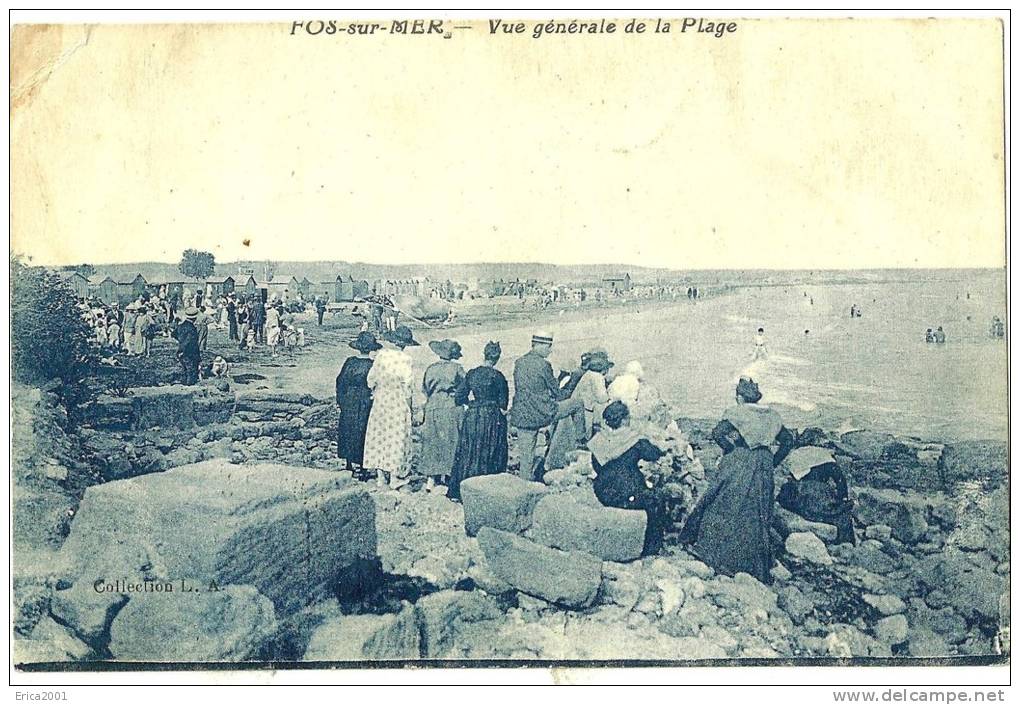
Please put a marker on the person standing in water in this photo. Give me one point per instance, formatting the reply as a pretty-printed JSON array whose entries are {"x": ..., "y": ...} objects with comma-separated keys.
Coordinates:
[{"x": 760, "y": 352}]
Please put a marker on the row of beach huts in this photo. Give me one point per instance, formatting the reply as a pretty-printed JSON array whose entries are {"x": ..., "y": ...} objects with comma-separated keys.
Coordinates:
[
  {"x": 281, "y": 286},
  {"x": 344, "y": 288}
]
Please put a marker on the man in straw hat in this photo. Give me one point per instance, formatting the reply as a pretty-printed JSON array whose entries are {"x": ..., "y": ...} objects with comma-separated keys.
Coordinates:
[
  {"x": 538, "y": 401},
  {"x": 187, "y": 345}
]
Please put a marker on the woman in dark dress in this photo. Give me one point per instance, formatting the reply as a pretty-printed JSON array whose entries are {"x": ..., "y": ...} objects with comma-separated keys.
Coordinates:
[
  {"x": 482, "y": 448},
  {"x": 729, "y": 528},
  {"x": 817, "y": 490},
  {"x": 354, "y": 399},
  {"x": 615, "y": 453}
]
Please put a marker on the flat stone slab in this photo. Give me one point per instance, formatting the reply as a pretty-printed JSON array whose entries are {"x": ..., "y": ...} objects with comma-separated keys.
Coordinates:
[
  {"x": 560, "y": 521},
  {"x": 568, "y": 578},
  {"x": 288, "y": 531},
  {"x": 502, "y": 501}
]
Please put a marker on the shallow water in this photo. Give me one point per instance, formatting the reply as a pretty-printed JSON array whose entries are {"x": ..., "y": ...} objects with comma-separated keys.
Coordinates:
[{"x": 873, "y": 372}]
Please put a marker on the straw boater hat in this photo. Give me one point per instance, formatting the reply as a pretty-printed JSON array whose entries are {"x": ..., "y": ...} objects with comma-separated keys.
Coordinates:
[
  {"x": 402, "y": 336},
  {"x": 446, "y": 349},
  {"x": 365, "y": 342},
  {"x": 542, "y": 337},
  {"x": 191, "y": 312}
]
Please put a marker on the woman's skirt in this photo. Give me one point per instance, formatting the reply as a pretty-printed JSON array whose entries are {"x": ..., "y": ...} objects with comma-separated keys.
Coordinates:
[{"x": 482, "y": 448}]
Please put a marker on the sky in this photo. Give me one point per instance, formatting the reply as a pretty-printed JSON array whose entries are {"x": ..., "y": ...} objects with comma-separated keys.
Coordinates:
[{"x": 815, "y": 144}]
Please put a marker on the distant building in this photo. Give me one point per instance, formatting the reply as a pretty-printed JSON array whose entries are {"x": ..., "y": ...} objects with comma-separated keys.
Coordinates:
[
  {"x": 221, "y": 286},
  {"x": 346, "y": 288},
  {"x": 113, "y": 291},
  {"x": 617, "y": 282},
  {"x": 78, "y": 282}
]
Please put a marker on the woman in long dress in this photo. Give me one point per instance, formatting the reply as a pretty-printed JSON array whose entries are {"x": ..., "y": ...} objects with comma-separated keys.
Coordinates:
[
  {"x": 729, "y": 528},
  {"x": 388, "y": 434},
  {"x": 441, "y": 383},
  {"x": 616, "y": 453},
  {"x": 482, "y": 447},
  {"x": 354, "y": 400}
]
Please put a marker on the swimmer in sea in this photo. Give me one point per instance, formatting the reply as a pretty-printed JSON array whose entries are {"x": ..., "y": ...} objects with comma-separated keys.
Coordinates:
[{"x": 760, "y": 353}]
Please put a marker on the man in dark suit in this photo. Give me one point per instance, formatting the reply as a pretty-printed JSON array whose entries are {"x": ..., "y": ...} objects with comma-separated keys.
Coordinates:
[
  {"x": 258, "y": 320},
  {"x": 538, "y": 401},
  {"x": 187, "y": 345}
]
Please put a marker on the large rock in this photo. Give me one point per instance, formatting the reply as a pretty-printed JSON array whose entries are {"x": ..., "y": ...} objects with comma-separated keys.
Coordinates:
[
  {"x": 972, "y": 591},
  {"x": 165, "y": 407},
  {"x": 612, "y": 534},
  {"x": 229, "y": 624},
  {"x": 866, "y": 445},
  {"x": 367, "y": 637},
  {"x": 502, "y": 501},
  {"x": 808, "y": 547},
  {"x": 906, "y": 514},
  {"x": 974, "y": 460},
  {"x": 288, "y": 531},
  {"x": 892, "y": 630},
  {"x": 568, "y": 578},
  {"x": 798, "y": 524},
  {"x": 451, "y": 621}
]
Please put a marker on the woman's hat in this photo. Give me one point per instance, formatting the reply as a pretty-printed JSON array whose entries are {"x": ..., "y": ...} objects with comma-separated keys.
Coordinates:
[
  {"x": 402, "y": 336},
  {"x": 599, "y": 362},
  {"x": 747, "y": 389},
  {"x": 191, "y": 312},
  {"x": 446, "y": 349},
  {"x": 365, "y": 342}
]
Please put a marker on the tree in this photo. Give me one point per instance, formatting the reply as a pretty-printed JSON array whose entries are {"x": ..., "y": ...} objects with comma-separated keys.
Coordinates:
[
  {"x": 49, "y": 338},
  {"x": 197, "y": 264}
]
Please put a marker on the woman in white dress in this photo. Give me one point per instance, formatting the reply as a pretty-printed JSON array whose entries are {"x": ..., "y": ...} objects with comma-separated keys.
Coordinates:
[{"x": 388, "y": 434}]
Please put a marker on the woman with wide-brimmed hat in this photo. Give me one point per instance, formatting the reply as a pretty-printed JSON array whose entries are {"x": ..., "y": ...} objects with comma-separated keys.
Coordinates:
[
  {"x": 354, "y": 400},
  {"x": 441, "y": 383},
  {"x": 388, "y": 434},
  {"x": 482, "y": 444}
]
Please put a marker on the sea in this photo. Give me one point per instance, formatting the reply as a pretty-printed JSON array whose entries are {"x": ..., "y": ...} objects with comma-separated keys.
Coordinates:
[{"x": 823, "y": 367}]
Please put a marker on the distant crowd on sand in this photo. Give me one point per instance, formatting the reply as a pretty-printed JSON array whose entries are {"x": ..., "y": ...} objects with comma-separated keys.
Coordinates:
[{"x": 619, "y": 419}]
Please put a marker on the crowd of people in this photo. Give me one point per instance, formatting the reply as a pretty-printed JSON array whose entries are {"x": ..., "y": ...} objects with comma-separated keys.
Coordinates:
[{"x": 619, "y": 419}]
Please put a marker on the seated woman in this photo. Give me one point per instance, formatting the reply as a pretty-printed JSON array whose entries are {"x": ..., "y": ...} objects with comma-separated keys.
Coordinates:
[
  {"x": 615, "y": 453},
  {"x": 729, "y": 528},
  {"x": 817, "y": 490}
]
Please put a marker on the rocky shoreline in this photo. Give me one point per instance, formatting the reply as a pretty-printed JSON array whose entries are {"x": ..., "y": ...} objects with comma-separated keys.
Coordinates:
[{"x": 928, "y": 578}]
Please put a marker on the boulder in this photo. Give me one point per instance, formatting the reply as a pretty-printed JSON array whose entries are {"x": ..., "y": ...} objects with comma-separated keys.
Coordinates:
[
  {"x": 87, "y": 612},
  {"x": 972, "y": 591},
  {"x": 60, "y": 640},
  {"x": 228, "y": 624},
  {"x": 846, "y": 641},
  {"x": 891, "y": 630},
  {"x": 451, "y": 620},
  {"x": 924, "y": 643},
  {"x": 795, "y": 603},
  {"x": 288, "y": 531},
  {"x": 367, "y": 637},
  {"x": 568, "y": 578},
  {"x": 974, "y": 460},
  {"x": 502, "y": 501},
  {"x": 886, "y": 604},
  {"x": 798, "y": 524},
  {"x": 865, "y": 445},
  {"x": 164, "y": 407},
  {"x": 612, "y": 534},
  {"x": 905, "y": 514},
  {"x": 808, "y": 547}
]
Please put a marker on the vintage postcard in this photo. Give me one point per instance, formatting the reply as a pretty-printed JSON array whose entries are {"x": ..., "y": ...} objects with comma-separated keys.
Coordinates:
[{"x": 518, "y": 341}]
